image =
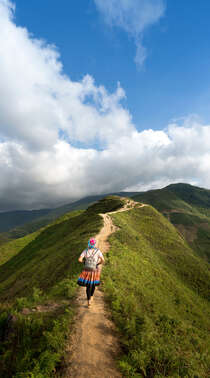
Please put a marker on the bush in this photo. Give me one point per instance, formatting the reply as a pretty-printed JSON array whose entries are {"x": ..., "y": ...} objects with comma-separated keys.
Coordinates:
[{"x": 105, "y": 205}]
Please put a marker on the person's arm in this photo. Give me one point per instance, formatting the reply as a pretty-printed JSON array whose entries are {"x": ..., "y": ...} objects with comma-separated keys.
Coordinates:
[
  {"x": 81, "y": 258},
  {"x": 101, "y": 259}
]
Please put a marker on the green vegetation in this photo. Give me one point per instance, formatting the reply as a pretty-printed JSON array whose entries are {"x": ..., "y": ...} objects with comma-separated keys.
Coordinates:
[
  {"x": 191, "y": 194},
  {"x": 38, "y": 282},
  {"x": 31, "y": 221},
  {"x": 42, "y": 273},
  {"x": 105, "y": 205},
  {"x": 13, "y": 247},
  {"x": 186, "y": 219},
  {"x": 157, "y": 290},
  {"x": 49, "y": 257},
  {"x": 4, "y": 238},
  {"x": 186, "y": 206},
  {"x": 156, "y": 286},
  {"x": 162, "y": 199},
  {"x": 32, "y": 345},
  {"x": 176, "y": 196},
  {"x": 10, "y": 249},
  {"x": 202, "y": 242}
]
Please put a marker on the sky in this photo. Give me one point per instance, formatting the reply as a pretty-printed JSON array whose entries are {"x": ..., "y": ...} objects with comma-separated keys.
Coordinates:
[{"x": 102, "y": 96}]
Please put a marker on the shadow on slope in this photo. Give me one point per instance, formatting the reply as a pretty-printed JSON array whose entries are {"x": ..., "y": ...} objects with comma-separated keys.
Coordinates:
[{"x": 188, "y": 209}]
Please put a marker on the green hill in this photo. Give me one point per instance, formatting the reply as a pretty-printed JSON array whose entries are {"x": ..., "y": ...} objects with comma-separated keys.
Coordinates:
[
  {"x": 158, "y": 291},
  {"x": 41, "y": 270},
  {"x": 156, "y": 287},
  {"x": 191, "y": 194},
  {"x": 17, "y": 224},
  {"x": 188, "y": 208}
]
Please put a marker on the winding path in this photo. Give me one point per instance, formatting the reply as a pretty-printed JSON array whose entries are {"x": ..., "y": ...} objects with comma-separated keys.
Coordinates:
[{"x": 93, "y": 347}]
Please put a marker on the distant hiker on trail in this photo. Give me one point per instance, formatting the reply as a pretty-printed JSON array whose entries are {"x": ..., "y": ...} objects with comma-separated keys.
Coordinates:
[{"x": 90, "y": 276}]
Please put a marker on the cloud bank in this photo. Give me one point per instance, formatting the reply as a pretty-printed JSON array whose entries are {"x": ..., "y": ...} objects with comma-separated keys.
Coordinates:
[
  {"x": 134, "y": 17},
  {"x": 61, "y": 140}
]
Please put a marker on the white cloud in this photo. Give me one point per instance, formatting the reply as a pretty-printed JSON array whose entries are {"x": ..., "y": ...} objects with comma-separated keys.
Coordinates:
[
  {"x": 134, "y": 16},
  {"x": 39, "y": 105},
  {"x": 38, "y": 100}
]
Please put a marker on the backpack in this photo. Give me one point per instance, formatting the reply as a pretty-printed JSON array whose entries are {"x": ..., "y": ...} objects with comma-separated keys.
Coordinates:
[{"x": 90, "y": 262}]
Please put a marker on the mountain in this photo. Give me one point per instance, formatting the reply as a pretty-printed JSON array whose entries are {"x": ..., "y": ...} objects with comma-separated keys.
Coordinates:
[
  {"x": 11, "y": 219},
  {"x": 16, "y": 224},
  {"x": 157, "y": 289},
  {"x": 188, "y": 209},
  {"x": 191, "y": 194}
]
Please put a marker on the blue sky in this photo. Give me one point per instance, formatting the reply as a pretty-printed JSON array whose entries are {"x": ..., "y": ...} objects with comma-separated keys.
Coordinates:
[
  {"x": 174, "y": 80},
  {"x": 102, "y": 96}
]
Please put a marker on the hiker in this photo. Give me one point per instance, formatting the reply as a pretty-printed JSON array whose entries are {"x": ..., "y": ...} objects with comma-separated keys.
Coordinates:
[{"x": 90, "y": 276}]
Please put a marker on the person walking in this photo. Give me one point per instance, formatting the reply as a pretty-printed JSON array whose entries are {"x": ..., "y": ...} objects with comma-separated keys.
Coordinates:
[{"x": 90, "y": 276}]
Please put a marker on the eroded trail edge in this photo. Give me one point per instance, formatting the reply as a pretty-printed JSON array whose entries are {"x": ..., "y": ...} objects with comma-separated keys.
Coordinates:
[{"x": 93, "y": 347}]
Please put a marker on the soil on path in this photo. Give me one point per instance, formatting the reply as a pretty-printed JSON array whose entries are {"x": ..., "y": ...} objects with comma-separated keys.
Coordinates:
[{"x": 94, "y": 348}]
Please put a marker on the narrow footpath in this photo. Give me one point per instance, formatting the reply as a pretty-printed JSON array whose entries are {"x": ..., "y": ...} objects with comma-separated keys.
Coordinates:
[{"x": 93, "y": 347}]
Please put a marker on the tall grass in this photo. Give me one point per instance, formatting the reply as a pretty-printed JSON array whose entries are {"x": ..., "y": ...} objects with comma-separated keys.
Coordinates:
[{"x": 158, "y": 291}]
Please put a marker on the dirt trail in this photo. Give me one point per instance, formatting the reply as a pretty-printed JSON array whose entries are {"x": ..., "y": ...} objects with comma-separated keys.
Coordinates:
[{"x": 94, "y": 347}]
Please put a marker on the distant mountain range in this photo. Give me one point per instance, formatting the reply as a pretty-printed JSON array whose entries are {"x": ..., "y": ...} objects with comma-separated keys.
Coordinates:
[
  {"x": 16, "y": 224},
  {"x": 186, "y": 206}
]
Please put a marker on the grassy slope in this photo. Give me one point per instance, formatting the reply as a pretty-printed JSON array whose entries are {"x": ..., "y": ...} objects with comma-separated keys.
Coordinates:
[
  {"x": 48, "y": 258},
  {"x": 18, "y": 224},
  {"x": 188, "y": 208},
  {"x": 156, "y": 287},
  {"x": 44, "y": 271},
  {"x": 158, "y": 292},
  {"x": 42, "y": 220},
  {"x": 162, "y": 199},
  {"x": 13, "y": 247},
  {"x": 191, "y": 194},
  {"x": 51, "y": 215}
]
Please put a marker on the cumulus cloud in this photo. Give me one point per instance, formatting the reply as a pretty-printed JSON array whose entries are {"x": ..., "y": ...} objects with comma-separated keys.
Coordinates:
[
  {"x": 38, "y": 101},
  {"x": 134, "y": 16},
  {"x": 61, "y": 140}
]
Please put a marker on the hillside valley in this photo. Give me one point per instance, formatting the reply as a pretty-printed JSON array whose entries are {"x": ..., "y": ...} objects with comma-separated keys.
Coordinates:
[
  {"x": 188, "y": 208},
  {"x": 155, "y": 284},
  {"x": 16, "y": 224}
]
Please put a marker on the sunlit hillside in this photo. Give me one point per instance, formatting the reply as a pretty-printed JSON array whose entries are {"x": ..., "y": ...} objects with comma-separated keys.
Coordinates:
[
  {"x": 188, "y": 208},
  {"x": 156, "y": 287},
  {"x": 158, "y": 291}
]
